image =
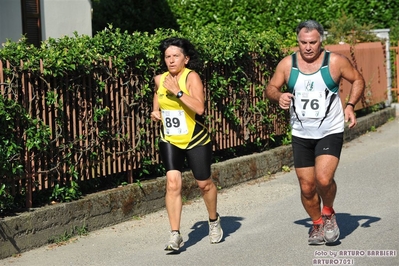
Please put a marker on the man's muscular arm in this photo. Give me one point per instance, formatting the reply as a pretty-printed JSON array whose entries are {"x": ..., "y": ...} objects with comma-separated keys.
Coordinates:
[
  {"x": 350, "y": 73},
  {"x": 273, "y": 89},
  {"x": 346, "y": 70}
]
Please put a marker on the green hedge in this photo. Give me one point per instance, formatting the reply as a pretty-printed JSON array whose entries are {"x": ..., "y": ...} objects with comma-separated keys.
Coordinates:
[
  {"x": 255, "y": 16},
  {"x": 219, "y": 47}
]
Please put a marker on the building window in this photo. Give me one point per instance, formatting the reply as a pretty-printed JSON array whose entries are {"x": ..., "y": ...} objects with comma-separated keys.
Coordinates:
[{"x": 31, "y": 21}]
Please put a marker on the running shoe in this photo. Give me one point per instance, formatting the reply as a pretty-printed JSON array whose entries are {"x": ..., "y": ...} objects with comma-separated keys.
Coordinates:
[
  {"x": 316, "y": 236},
  {"x": 175, "y": 242},
  {"x": 215, "y": 231},
  {"x": 331, "y": 230}
]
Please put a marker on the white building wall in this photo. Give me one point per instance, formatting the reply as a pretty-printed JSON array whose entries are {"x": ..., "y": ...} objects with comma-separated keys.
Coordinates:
[
  {"x": 64, "y": 17},
  {"x": 58, "y": 18},
  {"x": 10, "y": 20}
]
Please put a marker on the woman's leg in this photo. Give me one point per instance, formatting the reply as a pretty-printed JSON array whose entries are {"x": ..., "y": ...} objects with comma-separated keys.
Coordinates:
[
  {"x": 173, "y": 160},
  {"x": 173, "y": 198}
]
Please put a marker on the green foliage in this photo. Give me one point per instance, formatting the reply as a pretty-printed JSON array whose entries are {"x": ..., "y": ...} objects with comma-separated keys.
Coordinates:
[
  {"x": 381, "y": 14},
  {"x": 251, "y": 16},
  {"x": 67, "y": 236},
  {"x": 283, "y": 16},
  {"x": 346, "y": 30},
  {"x": 19, "y": 131},
  {"x": 286, "y": 168},
  {"x": 69, "y": 192},
  {"x": 6, "y": 200},
  {"x": 21, "y": 50},
  {"x": 139, "y": 184},
  {"x": 287, "y": 140}
]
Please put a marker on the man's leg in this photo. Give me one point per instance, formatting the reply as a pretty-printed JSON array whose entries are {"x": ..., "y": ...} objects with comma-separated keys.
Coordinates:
[
  {"x": 309, "y": 196},
  {"x": 311, "y": 202},
  {"x": 315, "y": 164},
  {"x": 326, "y": 166},
  {"x": 325, "y": 171}
]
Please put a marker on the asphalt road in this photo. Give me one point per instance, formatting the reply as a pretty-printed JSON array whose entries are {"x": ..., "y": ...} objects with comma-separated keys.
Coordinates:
[{"x": 263, "y": 221}]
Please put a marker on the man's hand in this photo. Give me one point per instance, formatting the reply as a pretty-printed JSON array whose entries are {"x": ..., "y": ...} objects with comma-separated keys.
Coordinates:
[
  {"x": 285, "y": 100},
  {"x": 350, "y": 116}
]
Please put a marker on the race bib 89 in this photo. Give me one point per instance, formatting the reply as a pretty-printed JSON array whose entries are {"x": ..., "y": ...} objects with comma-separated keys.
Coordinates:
[{"x": 174, "y": 122}]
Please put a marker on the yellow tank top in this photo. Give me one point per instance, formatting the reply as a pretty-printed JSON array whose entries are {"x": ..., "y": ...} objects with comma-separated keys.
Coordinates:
[{"x": 181, "y": 126}]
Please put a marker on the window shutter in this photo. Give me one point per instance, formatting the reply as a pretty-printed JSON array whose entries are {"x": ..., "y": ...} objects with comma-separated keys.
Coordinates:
[{"x": 31, "y": 21}]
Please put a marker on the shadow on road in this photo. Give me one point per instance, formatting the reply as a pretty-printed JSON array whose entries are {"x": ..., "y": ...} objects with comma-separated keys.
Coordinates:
[
  {"x": 347, "y": 223},
  {"x": 230, "y": 224}
]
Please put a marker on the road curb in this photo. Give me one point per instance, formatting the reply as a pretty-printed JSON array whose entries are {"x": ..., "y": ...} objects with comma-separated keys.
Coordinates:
[{"x": 35, "y": 228}]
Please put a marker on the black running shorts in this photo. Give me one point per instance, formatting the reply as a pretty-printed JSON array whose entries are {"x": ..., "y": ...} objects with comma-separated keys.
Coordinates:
[
  {"x": 306, "y": 150},
  {"x": 199, "y": 159}
]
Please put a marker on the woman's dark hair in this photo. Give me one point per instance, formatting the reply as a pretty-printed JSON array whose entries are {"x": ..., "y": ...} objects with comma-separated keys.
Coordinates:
[{"x": 187, "y": 48}]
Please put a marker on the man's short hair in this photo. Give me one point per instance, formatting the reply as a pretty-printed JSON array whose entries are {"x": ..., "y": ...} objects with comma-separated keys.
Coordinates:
[{"x": 310, "y": 25}]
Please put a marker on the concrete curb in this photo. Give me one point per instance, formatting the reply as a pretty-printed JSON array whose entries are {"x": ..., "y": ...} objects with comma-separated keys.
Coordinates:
[{"x": 35, "y": 228}]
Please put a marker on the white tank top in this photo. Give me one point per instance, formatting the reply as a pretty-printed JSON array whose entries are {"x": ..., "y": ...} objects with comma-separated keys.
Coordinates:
[{"x": 316, "y": 110}]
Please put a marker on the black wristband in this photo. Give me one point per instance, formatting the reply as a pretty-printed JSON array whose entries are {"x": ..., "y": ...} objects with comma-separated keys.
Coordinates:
[
  {"x": 179, "y": 94},
  {"x": 351, "y": 104}
]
